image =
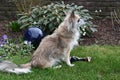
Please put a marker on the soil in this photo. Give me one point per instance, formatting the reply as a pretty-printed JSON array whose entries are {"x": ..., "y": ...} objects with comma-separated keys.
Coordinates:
[{"x": 107, "y": 33}]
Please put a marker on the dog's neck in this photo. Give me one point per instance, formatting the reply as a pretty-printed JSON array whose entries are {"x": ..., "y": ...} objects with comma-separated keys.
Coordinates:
[{"x": 63, "y": 32}]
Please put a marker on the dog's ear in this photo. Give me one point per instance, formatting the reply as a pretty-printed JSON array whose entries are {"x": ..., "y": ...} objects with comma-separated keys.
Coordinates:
[
  {"x": 72, "y": 14},
  {"x": 71, "y": 19}
]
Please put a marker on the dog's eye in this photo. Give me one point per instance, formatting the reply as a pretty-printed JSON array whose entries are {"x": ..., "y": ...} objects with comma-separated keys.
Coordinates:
[{"x": 78, "y": 20}]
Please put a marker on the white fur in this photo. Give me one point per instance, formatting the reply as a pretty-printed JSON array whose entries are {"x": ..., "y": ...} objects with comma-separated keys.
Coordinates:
[
  {"x": 18, "y": 70},
  {"x": 75, "y": 39},
  {"x": 7, "y": 66},
  {"x": 77, "y": 33}
]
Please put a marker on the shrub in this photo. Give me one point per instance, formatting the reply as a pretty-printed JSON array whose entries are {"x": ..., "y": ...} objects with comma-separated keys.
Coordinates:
[{"x": 50, "y": 16}]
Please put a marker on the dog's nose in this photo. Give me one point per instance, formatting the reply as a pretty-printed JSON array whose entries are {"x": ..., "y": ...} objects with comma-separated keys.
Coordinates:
[{"x": 82, "y": 22}]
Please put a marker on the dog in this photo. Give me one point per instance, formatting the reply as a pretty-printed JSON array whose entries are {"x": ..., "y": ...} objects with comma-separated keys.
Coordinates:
[{"x": 53, "y": 48}]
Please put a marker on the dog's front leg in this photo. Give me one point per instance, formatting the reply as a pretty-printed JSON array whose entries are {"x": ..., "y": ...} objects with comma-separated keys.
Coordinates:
[
  {"x": 68, "y": 62},
  {"x": 67, "y": 58}
]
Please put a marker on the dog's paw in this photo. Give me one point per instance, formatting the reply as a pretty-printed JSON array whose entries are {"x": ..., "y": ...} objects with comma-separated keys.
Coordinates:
[
  {"x": 88, "y": 59},
  {"x": 71, "y": 65}
]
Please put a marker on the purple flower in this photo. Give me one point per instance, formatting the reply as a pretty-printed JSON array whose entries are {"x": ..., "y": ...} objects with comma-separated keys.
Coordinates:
[
  {"x": 1, "y": 45},
  {"x": 0, "y": 57},
  {"x": 5, "y": 37},
  {"x": 3, "y": 40},
  {"x": 29, "y": 43}
]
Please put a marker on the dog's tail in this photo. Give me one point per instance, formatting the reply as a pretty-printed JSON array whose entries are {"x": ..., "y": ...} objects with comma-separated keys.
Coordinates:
[{"x": 7, "y": 66}]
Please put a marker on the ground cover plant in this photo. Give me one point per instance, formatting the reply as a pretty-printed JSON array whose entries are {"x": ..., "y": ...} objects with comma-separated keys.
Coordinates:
[
  {"x": 104, "y": 66},
  {"x": 9, "y": 48}
]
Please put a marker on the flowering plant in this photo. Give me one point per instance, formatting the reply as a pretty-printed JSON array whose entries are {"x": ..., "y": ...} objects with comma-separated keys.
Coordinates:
[
  {"x": 8, "y": 49},
  {"x": 4, "y": 40}
]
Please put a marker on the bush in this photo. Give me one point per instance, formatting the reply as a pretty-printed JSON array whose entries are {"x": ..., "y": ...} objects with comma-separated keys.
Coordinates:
[{"x": 50, "y": 16}]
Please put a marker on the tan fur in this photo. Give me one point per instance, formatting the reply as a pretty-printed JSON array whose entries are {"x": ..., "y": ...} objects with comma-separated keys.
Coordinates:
[{"x": 57, "y": 46}]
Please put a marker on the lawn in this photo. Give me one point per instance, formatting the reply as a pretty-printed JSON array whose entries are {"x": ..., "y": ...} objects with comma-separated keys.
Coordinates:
[{"x": 105, "y": 65}]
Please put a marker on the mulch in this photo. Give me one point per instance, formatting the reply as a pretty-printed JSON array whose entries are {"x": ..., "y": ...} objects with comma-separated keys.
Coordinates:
[{"x": 107, "y": 34}]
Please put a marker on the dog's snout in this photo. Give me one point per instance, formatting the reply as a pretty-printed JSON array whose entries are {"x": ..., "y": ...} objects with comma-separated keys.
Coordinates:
[{"x": 82, "y": 21}]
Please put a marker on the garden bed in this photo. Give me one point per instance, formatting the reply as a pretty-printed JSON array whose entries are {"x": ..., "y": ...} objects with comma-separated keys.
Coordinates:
[
  {"x": 107, "y": 33},
  {"x": 6, "y": 30}
]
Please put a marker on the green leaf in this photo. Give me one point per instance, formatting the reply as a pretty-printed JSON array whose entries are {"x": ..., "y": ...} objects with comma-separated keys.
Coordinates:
[
  {"x": 30, "y": 19},
  {"x": 23, "y": 17},
  {"x": 94, "y": 29},
  {"x": 24, "y": 25},
  {"x": 33, "y": 15}
]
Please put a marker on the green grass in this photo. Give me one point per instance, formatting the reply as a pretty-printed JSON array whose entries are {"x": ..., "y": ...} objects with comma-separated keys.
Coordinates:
[{"x": 105, "y": 65}]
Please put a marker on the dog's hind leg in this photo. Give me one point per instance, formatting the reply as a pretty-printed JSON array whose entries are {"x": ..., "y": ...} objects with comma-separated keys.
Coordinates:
[
  {"x": 50, "y": 64},
  {"x": 56, "y": 67},
  {"x": 47, "y": 65}
]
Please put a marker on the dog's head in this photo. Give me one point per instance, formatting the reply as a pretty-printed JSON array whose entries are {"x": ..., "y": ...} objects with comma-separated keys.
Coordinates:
[{"x": 73, "y": 20}]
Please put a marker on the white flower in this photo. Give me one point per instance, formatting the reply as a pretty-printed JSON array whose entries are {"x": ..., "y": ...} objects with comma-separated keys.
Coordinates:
[
  {"x": 84, "y": 33},
  {"x": 96, "y": 11},
  {"x": 35, "y": 23},
  {"x": 85, "y": 26},
  {"x": 83, "y": 29},
  {"x": 100, "y": 10},
  {"x": 25, "y": 42}
]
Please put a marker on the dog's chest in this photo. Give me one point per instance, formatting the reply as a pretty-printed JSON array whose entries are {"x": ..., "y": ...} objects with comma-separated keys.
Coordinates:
[
  {"x": 75, "y": 39},
  {"x": 76, "y": 35}
]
